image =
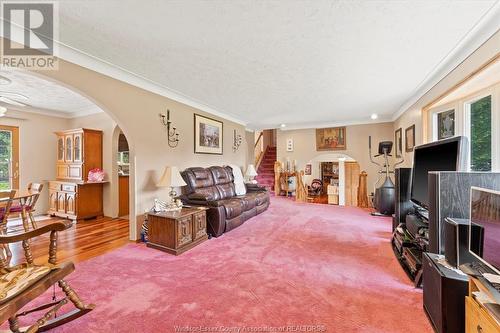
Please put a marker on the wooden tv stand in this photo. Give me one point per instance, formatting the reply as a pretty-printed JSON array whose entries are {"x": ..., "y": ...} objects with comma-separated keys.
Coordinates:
[{"x": 478, "y": 317}]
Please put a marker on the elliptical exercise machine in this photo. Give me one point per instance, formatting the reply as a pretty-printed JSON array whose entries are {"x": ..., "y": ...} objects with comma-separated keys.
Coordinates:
[{"x": 384, "y": 197}]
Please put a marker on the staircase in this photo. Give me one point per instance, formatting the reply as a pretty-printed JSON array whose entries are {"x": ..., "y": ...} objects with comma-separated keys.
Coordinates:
[{"x": 266, "y": 168}]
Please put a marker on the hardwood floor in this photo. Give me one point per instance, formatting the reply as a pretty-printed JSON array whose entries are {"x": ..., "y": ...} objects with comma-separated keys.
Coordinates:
[
  {"x": 321, "y": 199},
  {"x": 84, "y": 240}
]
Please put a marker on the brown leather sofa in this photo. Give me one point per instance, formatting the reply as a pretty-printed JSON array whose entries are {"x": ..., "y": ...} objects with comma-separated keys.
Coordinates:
[{"x": 213, "y": 187}]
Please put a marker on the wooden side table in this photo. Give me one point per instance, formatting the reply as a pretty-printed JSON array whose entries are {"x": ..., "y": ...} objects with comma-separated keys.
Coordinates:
[{"x": 179, "y": 231}]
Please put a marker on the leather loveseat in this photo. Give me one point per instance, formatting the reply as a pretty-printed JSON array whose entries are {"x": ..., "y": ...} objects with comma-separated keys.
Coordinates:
[{"x": 213, "y": 187}]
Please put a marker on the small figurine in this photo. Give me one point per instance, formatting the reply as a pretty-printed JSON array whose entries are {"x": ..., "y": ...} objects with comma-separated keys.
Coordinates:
[{"x": 179, "y": 203}]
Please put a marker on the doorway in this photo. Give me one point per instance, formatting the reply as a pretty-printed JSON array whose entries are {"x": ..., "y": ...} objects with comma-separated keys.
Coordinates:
[
  {"x": 123, "y": 163},
  {"x": 333, "y": 179},
  {"x": 9, "y": 157}
]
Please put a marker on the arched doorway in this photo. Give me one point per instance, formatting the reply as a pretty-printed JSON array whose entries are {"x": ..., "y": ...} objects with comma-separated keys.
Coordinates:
[
  {"x": 121, "y": 172},
  {"x": 339, "y": 175},
  {"x": 112, "y": 200}
]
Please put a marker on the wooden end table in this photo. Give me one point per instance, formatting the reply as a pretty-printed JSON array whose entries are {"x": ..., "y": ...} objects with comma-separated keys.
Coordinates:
[{"x": 178, "y": 231}]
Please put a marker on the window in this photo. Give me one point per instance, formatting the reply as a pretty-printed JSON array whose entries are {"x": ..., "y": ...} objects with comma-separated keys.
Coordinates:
[
  {"x": 480, "y": 134},
  {"x": 123, "y": 163},
  {"x": 9, "y": 157},
  {"x": 5, "y": 158},
  {"x": 123, "y": 157}
]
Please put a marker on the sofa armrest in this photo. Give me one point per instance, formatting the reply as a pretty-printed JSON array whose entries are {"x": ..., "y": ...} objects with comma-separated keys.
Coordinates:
[
  {"x": 197, "y": 199},
  {"x": 204, "y": 203},
  {"x": 255, "y": 188}
]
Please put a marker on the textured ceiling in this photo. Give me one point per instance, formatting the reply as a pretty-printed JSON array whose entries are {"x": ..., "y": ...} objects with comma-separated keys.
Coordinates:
[
  {"x": 272, "y": 62},
  {"x": 44, "y": 96}
]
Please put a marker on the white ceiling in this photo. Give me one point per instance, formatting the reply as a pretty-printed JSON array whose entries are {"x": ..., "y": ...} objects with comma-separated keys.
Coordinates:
[
  {"x": 44, "y": 96},
  {"x": 265, "y": 63}
]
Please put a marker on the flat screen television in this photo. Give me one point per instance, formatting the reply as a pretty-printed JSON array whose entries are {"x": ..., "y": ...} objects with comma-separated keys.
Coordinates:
[
  {"x": 485, "y": 211},
  {"x": 443, "y": 155}
]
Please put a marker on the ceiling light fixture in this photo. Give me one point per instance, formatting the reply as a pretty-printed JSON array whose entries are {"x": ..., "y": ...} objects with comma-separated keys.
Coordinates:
[
  {"x": 374, "y": 116},
  {"x": 282, "y": 125}
]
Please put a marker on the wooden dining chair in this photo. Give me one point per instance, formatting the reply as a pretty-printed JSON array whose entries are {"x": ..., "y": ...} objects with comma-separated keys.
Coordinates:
[
  {"x": 36, "y": 188},
  {"x": 6, "y": 198},
  {"x": 27, "y": 208}
]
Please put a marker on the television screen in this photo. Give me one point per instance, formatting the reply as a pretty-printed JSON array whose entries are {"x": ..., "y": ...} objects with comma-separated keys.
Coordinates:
[
  {"x": 444, "y": 155},
  {"x": 485, "y": 211}
]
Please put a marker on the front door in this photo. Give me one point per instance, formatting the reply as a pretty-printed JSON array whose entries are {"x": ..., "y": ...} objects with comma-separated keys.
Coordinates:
[{"x": 9, "y": 157}]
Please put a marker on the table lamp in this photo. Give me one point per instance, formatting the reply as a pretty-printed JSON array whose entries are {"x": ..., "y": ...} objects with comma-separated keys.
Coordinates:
[
  {"x": 251, "y": 173},
  {"x": 171, "y": 178}
]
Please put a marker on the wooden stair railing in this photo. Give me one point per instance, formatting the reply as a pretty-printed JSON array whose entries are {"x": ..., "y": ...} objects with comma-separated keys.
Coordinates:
[
  {"x": 362, "y": 191},
  {"x": 259, "y": 151},
  {"x": 301, "y": 192},
  {"x": 277, "y": 174}
]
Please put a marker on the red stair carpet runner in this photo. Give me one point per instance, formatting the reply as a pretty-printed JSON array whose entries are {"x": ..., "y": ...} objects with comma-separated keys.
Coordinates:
[{"x": 266, "y": 168}]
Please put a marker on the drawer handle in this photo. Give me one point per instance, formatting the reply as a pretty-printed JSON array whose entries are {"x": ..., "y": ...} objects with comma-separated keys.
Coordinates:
[{"x": 479, "y": 329}]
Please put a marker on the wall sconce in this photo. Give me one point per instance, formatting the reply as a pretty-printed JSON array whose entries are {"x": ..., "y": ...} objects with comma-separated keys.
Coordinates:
[
  {"x": 173, "y": 136},
  {"x": 237, "y": 139}
]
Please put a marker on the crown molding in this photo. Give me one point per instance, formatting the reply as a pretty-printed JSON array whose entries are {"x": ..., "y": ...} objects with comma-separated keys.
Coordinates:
[
  {"x": 40, "y": 111},
  {"x": 99, "y": 65},
  {"x": 480, "y": 33},
  {"x": 53, "y": 113}
]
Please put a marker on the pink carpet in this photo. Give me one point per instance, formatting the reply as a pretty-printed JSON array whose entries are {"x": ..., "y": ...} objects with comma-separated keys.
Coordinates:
[{"x": 297, "y": 264}]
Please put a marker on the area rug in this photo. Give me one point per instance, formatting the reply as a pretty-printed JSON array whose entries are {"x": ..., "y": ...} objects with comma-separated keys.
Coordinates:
[{"x": 296, "y": 267}]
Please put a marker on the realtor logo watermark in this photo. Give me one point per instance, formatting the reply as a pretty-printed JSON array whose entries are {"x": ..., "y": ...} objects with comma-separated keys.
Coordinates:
[{"x": 29, "y": 30}]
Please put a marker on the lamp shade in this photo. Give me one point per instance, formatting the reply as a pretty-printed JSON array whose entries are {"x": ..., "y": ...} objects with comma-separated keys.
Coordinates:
[
  {"x": 171, "y": 178},
  {"x": 251, "y": 172}
]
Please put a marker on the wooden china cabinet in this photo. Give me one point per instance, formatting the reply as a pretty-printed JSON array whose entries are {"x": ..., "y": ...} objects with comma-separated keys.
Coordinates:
[{"x": 71, "y": 195}]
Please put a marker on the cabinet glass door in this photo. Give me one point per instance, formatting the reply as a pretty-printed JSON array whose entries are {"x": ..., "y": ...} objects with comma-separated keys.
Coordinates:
[
  {"x": 77, "y": 157},
  {"x": 69, "y": 149},
  {"x": 60, "y": 149}
]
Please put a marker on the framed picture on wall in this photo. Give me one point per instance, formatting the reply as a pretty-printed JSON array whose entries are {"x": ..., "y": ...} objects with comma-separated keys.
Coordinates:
[
  {"x": 446, "y": 124},
  {"x": 289, "y": 145},
  {"x": 410, "y": 138},
  {"x": 333, "y": 138},
  {"x": 308, "y": 170},
  {"x": 398, "y": 140},
  {"x": 208, "y": 135}
]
